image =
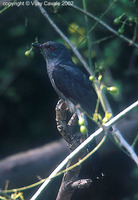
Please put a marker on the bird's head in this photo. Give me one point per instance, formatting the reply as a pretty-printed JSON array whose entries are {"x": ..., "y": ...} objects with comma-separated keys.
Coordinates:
[{"x": 53, "y": 51}]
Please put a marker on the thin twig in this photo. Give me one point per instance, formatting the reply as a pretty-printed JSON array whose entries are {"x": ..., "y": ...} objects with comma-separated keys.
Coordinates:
[
  {"x": 87, "y": 141},
  {"x": 131, "y": 42},
  {"x": 88, "y": 35}
]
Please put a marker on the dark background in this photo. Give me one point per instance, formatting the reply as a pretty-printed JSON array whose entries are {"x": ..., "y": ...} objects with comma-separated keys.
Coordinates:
[{"x": 27, "y": 99}]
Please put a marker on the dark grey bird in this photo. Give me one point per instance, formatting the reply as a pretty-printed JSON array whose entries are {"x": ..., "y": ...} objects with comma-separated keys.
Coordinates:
[{"x": 70, "y": 83}]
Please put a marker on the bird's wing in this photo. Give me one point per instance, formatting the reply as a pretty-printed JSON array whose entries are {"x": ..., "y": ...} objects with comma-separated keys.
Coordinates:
[{"x": 75, "y": 86}]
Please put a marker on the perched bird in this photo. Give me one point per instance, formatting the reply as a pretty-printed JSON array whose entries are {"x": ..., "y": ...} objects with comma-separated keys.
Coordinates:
[{"x": 70, "y": 83}]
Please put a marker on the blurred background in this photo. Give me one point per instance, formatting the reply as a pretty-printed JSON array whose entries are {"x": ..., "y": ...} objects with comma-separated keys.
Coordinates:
[{"x": 27, "y": 99}]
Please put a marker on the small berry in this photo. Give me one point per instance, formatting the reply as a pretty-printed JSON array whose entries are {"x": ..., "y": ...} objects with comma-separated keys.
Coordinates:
[
  {"x": 121, "y": 31},
  {"x": 83, "y": 130},
  {"x": 91, "y": 78},
  {"x": 112, "y": 90},
  {"x": 117, "y": 21},
  {"x": 131, "y": 19},
  {"x": 81, "y": 121},
  {"x": 29, "y": 53},
  {"x": 101, "y": 68},
  {"x": 107, "y": 117}
]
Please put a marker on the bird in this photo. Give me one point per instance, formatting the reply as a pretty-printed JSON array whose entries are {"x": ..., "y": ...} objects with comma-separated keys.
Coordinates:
[{"x": 70, "y": 83}]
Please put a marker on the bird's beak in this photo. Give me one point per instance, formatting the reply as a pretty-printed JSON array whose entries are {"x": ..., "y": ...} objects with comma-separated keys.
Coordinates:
[{"x": 37, "y": 45}]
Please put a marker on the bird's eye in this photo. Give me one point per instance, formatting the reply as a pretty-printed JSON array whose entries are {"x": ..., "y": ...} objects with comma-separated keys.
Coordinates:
[{"x": 51, "y": 47}]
